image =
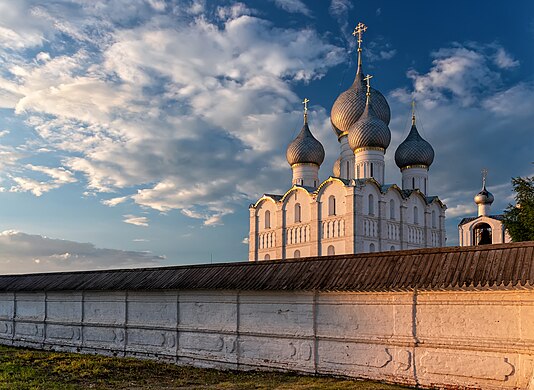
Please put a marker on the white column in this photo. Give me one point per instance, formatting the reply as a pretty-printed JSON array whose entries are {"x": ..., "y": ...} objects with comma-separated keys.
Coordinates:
[
  {"x": 415, "y": 177},
  {"x": 305, "y": 174},
  {"x": 370, "y": 163}
]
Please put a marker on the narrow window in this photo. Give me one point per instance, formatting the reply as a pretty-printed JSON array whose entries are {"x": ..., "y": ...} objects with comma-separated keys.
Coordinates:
[
  {"x": 371, "y": 204},
  {"x": 348, "y": 170},
  {"x": 391, "y": 209},
  {"x": 358, "y": 170},
  {"x": 434, "y": 218},
  {"x": 372, "y": 166},
  {"x": 332, "y": 205},
  {"x": 331, "y": 250},
  {"x": 415, "y": 215},
  {"x": 267, "y": 219},
  {"x": 425, "y": 186},
  {"x": 297, "y": 212},
  {"x": 315, "y": 183},
  {"x": 296, "y": 255},
  {"x": 371, "y": 247},
  {"x": 267, "y": 257},
  {"x": 413, "y": 183}
]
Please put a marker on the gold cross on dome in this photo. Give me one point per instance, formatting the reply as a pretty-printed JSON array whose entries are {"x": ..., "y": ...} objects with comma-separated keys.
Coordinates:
[
  {"x": 305, "y": 102},
  {"x": 359, "y": 30},
  {"x": 413, "y": 112},
  {"x": 368, "y": 80}
]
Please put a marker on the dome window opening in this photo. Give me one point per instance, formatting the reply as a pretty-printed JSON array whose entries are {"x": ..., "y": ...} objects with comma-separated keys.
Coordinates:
[{"x": 482, "y": 234}]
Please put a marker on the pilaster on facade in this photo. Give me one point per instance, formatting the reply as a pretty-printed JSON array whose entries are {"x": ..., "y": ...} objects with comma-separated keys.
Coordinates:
[
  {"x": 350, "y": 220},
  {"x": 428, "y": 227},
  {"x": 315, "y": 229},
  {"x": 280, "y": 232},
  {"x": 403, "y": 226},
  {"x": 252, "y": 237},
  {"x": 358, "y": 237},
  {"x": 381, "y": 224}
]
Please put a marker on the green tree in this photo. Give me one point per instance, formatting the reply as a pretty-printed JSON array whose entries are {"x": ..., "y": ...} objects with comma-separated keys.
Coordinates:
[{"x": 519, "y": 218}]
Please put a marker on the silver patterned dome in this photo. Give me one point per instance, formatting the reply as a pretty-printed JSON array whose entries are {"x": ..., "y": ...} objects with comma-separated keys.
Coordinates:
[
  {"x": 305, "y": 148},
  {"x": 484, "y": 196},
  {"x": 337, "y": 168},
  {"x": 414, "y": 150},
  {"x": 350, "y": 105},
  {"x": 369, "y": 131}
]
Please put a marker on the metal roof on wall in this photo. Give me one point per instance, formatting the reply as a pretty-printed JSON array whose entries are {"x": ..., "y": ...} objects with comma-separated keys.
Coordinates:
[{"x": 509, "y": 265}]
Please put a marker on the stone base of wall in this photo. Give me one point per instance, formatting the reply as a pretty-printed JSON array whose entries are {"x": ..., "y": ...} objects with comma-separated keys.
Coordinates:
[{"x": 447, "y": 339}]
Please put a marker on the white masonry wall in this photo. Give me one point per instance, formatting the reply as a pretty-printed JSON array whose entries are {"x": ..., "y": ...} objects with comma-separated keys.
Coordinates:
[{"x": 477, "y": 339}]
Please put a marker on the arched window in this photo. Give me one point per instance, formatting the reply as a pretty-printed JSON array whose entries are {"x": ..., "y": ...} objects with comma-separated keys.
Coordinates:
[
  {"x": 331, "y": 205},
  {"x": 415, "y": 215},
  {"x": 371, "y": 247},
  {"x": 425, "y": 186},
  {"x": 348, "y": 170},
  {"x": 331, "y": 250},
  {"x": 297, "y": 212},
  {"x": 267, "y": 257},
  {"x": 392, "y": 209},
  {"x": 413, "y": 183},
  {"x": 392, "y": 248},
  {"x": 372, "y": 170},
  {"x": 371, "y": 204},
  {"x": 434, "y": 224},
  {"x": 482, "y": 234},
  {"x": 267, "y": 219},
  {"x": 296, "y": 254}
]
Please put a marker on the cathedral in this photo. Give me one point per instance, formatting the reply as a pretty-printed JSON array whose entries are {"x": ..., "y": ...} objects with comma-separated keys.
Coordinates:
[{"x": 354, "y": 210}]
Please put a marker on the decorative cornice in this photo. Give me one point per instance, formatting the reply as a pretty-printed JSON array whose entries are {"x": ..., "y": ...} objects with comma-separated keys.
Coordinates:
[
  {"x": 299, "y": 164},
  {"x": 414, "y": 166},
  {"x": 363, "y": 149}
]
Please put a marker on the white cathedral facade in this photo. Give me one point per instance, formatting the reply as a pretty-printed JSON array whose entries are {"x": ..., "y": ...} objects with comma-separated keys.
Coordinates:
[{"x": 354, "y": 210}]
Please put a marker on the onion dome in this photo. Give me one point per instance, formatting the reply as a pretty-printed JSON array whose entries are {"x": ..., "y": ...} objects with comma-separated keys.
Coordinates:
[
  {"x": 350, "y": 105},
  {"x": 369, "y": 131},
  {"x": 484, "y": 196},
  {"x": 414, "y": 150},
  {"x": 337, "y": 168},
  {"x": 305, "y": 148}
]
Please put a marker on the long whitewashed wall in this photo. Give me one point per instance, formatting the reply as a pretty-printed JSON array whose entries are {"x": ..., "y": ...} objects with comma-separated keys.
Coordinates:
[{"x": 478, "y": 339}]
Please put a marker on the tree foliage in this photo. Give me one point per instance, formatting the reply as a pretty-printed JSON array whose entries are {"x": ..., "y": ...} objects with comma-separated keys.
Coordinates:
[{"x": 519, "y": 218}]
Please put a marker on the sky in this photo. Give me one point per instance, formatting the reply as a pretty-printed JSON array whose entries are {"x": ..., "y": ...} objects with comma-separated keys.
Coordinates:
[{"x": 136, "y": 133}]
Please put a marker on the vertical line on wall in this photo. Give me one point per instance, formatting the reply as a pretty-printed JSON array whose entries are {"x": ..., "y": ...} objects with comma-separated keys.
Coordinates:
[
  {"x": 177, "y": 326},
  {"x": 238, "y": 320},
  {"x": 45, "y": 317},
  {"x": 14, "y": 317},
  {"x": 315, "y": 341},
  {"x": 414, "y": 335},
  {"x": 82, "y": 327},
  {"x": 126, "y": 304}
]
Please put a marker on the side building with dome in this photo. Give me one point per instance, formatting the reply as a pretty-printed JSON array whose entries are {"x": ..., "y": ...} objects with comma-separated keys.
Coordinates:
[{"x": 354, "y": 210}]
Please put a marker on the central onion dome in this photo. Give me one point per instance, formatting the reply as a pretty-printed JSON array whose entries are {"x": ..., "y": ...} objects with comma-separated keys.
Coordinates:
[
  {"x": 305, "y": 148},
  {"x": 484, "y": 196},
  {"x": 414, "y": 150},
  {"x": 369, "y": 131},
  {"x": 350, "y": 105}
]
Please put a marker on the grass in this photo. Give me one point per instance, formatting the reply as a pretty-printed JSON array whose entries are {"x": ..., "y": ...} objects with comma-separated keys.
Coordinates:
[{"x": 33, "y": 369}]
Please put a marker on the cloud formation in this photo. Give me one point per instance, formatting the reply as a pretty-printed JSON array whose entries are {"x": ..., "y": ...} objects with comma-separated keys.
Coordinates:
[{"x": 26, "y": 253}]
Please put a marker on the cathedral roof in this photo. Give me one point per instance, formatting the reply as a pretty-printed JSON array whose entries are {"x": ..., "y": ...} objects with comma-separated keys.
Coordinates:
[{"x": 414, "y": 150}]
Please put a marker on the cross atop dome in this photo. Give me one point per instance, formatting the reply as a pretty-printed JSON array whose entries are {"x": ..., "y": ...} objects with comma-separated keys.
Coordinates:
[
  {"x": 367, "y": 79},
  {"x": 413, "y": 112},
  {"x": 358, "y": 31},
  {"x": 305, "y": 102},
  {"x": 484, "y": 176}
]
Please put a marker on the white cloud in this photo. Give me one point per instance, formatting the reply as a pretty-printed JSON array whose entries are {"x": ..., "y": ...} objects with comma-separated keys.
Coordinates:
[
  {"x": 293, "y": 6},
  {"x": 504, "y": 60},
  {"x": 115, "y": 201},
  {"x": 26, "y": 253},
  {"x": 134, "y": 220}
]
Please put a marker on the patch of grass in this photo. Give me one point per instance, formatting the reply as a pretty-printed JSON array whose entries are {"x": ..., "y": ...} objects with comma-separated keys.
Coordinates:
[{"x": 33, "y": 369}]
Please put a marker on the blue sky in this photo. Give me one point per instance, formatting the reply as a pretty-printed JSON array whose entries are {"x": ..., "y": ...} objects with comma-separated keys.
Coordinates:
[{"x": 137, "y": 132}]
